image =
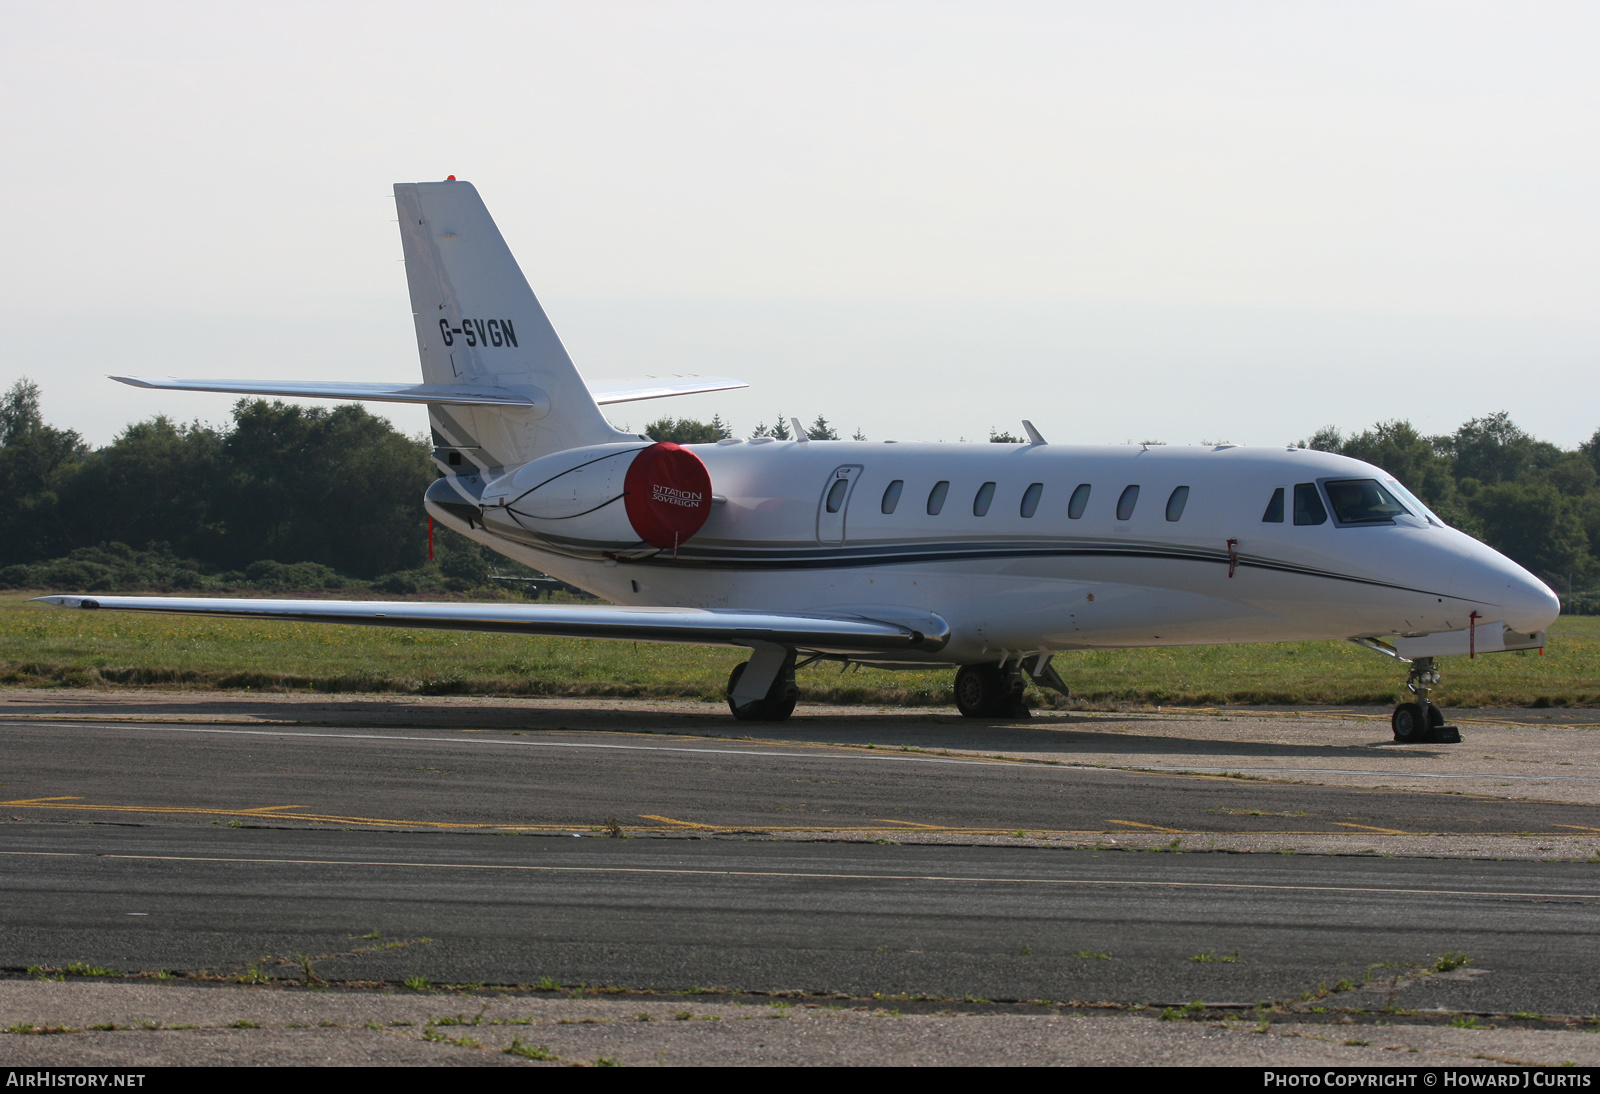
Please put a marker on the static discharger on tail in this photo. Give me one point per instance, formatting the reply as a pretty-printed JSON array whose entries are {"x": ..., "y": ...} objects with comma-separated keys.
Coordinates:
[{"x": 990, "y": 558}]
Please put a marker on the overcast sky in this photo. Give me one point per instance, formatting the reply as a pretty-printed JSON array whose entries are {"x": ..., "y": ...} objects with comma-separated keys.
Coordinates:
[{"x": 1125, "y": 221}]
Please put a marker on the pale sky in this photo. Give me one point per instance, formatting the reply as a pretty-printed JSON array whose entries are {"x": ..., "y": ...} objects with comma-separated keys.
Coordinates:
[{"x": 1124, "y": 221}]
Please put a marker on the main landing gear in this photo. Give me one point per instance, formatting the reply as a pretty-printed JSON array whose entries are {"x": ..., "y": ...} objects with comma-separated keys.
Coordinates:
[
  {"x": 1422, "y": 721},
  {"x": 996, "y": 691},
  {"x": 989, "y": 691},
  {"x": 776, "y": 705}
]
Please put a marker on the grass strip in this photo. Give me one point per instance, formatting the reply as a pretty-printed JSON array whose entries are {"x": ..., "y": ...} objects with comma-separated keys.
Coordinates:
[{"x": 50, "y": 647}]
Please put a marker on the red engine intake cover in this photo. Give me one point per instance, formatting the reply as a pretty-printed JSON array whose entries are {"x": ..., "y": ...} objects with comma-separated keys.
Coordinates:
[{"x": 667, "y": 491}]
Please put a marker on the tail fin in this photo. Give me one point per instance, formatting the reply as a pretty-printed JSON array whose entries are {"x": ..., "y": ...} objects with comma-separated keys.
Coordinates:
[{"x": 478, "y": 322}]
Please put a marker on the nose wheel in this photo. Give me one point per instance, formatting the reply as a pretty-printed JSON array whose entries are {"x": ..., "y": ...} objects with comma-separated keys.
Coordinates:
[{"x": 1422, "y": 720}]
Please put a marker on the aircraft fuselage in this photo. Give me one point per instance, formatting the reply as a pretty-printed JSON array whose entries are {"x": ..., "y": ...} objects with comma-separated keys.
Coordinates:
[{"x": 1014, "y": 554}]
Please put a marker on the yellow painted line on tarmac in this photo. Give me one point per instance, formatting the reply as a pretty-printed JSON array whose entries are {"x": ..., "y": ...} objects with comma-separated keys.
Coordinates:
[
  {"x": 675, "y": 822},
  {"x": 671, "y": 824},
  {"x": 1152, "y": 827},
  {"x": 914, "y": 824}
]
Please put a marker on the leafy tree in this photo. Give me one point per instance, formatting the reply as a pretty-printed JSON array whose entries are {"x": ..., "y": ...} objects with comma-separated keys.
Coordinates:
[
  {"x": 340, "y": 487},
  {"x": 1494, "y": 450},
  {"x": 35, "y": 461},
  {"x": 1534, "y": 524},
  {"x": 156, "y": 482},
  {"x": 1591, "y": 449},
  {"x": 1003, "y": 438},
  {"x": 19, "y": 412}
]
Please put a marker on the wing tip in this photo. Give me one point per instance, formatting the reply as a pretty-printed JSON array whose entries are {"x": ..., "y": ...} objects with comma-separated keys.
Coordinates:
[{"x": 59, "y": 600}]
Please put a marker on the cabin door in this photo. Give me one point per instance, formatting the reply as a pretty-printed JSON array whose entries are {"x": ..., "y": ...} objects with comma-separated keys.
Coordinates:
[{"x": 835, "y": 502}]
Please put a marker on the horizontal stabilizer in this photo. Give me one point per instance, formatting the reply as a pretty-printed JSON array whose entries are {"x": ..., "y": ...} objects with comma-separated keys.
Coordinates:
[
  {"x": 604, "y": 391},
  {"x": 451, "y": 394},
  {"x": 842, "y": 633},
  {"x": 656, "y": 387}
]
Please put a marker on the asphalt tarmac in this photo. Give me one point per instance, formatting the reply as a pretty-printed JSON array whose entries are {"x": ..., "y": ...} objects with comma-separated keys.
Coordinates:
[
  {"x": 843, "y": 857},
  {"x": 569, "y": 780},
  {"x": 856, "y": 919}
]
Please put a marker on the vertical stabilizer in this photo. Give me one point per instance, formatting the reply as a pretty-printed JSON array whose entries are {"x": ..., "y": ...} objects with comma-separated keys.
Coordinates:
[{"x": 478, "y": 322}]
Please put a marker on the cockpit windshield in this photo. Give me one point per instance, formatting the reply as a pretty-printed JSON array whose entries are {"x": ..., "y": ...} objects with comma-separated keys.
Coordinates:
[{"x": 1363, "y": 501}]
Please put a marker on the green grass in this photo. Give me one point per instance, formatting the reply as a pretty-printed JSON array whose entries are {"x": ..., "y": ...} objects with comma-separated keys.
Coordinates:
[{"x": 53, "y": 647}]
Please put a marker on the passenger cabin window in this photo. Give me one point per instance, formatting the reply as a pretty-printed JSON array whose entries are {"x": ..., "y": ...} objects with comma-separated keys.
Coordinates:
[
  {"x": 1080, "y": 498},
  {"x": 1274, "y": 513},
  {"x": 1363, "y": 501},
  {"x": 983, "y": 499},
  {"x": 1125, "y": 504},
  {"x": 936, "y": 497},
  {"x": 836, "y": 494},
  {"x": 1175, "y": 504},
  {"x": 1308, "y": 508},
  {"x": 891, "y": 496},
  {"x": 1030, "y": 499}
]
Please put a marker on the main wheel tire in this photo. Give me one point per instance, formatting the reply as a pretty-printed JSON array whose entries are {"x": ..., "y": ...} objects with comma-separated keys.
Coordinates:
[
  {"x": 775, "y": 706},
  {"x": 1406, "y": 721},
  {"x": 979, "y": 691}
]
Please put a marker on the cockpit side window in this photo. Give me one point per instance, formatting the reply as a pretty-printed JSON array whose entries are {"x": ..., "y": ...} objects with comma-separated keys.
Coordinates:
[
  {"x": 1412, "y": 502},
  {"x": 1363, "y": 501},
  {"x": 1308, "y": 507},
  {"x": 1274, "y": 513}
]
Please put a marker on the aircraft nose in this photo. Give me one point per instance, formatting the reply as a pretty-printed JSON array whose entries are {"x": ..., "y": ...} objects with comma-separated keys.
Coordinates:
[{"x": 1527, "y": 603}]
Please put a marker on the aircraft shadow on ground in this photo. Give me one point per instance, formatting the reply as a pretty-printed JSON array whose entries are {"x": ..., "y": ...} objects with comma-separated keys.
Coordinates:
[{"x": 1061, "y": 736}]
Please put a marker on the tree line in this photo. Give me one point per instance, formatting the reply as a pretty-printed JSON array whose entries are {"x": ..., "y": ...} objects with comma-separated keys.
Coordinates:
[{"x": 296, "y": 497}]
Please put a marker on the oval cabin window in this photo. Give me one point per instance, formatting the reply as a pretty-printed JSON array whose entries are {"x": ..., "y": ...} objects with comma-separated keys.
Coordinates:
[
  {"x": 984, "y": 498},
  {"x": 1080, "y": 499},
  {"x": 1175, "y": 504},
  {"x": 1125, "y": 504},
  {"x": 1030, "y": 499}
]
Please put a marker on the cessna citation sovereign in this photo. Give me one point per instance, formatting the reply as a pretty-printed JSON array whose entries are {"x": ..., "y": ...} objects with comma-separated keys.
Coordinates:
[{"x": 991, "y": 558}]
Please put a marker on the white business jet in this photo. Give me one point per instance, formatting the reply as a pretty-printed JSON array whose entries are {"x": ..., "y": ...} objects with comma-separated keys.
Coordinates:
[{"x": 991, "y": 558}]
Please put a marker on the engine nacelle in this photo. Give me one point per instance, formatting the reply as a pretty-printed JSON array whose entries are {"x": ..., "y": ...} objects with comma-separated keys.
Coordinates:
[{"x": 602, "y": 500}]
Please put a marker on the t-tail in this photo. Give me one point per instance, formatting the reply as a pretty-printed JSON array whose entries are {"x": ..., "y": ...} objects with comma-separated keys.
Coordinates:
[
  {"x": 499, "y": 386},
  {"x": 479, "y": 325}
]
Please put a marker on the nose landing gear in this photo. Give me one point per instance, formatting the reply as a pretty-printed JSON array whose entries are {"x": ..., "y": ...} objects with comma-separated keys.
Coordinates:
[{"x": 1422, "y": 721}]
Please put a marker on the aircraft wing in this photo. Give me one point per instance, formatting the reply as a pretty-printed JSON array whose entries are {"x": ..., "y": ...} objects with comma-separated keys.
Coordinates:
[
  {"x": 833, "y": 633},
  {"x": 603, "y": 391}
]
